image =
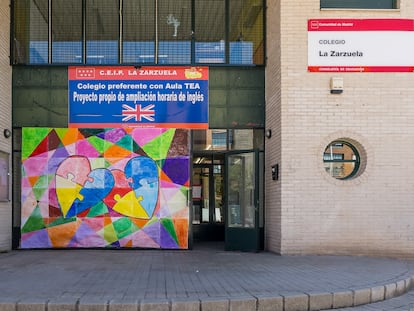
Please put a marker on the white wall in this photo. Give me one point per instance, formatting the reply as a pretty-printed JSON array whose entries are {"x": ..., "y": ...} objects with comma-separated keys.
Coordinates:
[
  {"x": 5, "y": 118},
  {"x": 372, "y": 214}
]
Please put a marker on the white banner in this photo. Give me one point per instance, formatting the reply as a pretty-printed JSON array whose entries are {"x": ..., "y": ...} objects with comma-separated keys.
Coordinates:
[{"x": 361, "y": 45}]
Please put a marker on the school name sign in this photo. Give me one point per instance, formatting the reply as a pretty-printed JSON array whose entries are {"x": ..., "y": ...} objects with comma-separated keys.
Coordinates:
[
  {"x": 361, "y": 45},
  {"x": 168, "y": 97}
]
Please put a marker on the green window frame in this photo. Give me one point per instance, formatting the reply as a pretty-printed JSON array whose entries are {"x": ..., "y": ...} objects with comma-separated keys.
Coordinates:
[
  {"x": 138, "y": 32},
  {"x": 341, "y": 160}
]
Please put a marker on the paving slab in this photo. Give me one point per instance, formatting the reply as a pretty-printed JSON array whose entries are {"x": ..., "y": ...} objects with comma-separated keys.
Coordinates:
[{"x": 194, "y": 280}]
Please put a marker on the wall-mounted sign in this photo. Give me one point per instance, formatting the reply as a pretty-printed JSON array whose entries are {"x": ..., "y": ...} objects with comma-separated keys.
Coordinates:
[
  {"x": 361, "y": 45},
  {"x": 168, "y": 97}
]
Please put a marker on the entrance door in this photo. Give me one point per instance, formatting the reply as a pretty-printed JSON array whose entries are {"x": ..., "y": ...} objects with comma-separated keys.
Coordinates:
[
  {"x": 208, "y": 216},
  {"x": 244, "y": 201}
]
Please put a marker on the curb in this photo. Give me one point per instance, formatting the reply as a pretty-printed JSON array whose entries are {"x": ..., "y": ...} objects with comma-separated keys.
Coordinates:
[{"x": 311, "y": 301}]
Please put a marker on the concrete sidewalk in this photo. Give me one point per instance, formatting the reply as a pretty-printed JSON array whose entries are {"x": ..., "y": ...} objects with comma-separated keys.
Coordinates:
[{"x": 200, "y": 280}]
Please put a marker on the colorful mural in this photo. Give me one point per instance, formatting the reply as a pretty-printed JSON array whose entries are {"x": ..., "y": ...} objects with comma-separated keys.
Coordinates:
[{"x": 105, "y": 188}]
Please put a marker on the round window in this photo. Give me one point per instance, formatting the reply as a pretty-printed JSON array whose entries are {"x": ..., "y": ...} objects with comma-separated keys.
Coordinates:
[{"x": 341, "y": 159}]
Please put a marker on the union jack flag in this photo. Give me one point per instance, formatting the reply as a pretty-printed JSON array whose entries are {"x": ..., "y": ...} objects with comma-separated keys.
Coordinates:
[{"x": 137, "y": 113}]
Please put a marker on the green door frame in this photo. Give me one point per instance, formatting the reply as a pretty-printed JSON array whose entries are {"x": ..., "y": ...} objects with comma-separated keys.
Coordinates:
[{"x": 239, "y": 233}]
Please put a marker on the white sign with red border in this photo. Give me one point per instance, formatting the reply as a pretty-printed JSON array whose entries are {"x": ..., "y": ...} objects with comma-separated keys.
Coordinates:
[{"x": 361, "y": 45}]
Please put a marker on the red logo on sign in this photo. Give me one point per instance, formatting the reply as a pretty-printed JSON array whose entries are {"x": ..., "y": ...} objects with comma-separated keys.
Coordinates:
[{"x": 85, "y": 73}]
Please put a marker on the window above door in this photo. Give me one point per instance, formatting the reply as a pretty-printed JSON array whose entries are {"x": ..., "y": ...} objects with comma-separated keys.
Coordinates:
[
  {"x": 228, "y": 139},
  {"x": 360, "y": 4}
]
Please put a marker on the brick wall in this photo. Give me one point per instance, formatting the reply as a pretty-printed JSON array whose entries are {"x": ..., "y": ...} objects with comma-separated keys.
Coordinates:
[
  {"x": 273, "y": 120},
  {"x": 307, "y": 211},
  {"x": 5, "y": 116}
]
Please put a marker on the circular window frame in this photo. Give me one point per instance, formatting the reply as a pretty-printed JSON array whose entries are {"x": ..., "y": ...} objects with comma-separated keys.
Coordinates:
[
  {"x": 359, "y": 174},
  {"x": 356, "y": 162}
]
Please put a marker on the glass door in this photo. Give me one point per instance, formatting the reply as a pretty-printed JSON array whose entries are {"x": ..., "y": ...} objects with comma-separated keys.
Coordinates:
[
  {"x": 208, "y": 216},
  {"x": 244, "y": 201}
]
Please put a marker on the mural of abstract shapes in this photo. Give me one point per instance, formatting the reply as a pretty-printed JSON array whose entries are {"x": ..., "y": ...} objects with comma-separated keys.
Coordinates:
[
  {"x": 99, "y": 183},
  {"x": 105, "y": 188},
  {"x": 143, "y": 174}
]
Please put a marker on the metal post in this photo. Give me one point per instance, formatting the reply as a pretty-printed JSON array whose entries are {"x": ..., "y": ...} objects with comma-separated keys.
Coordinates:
[
  {"x": 156, "y": 33},
  {"x": 49, "y": 16},
  {"x": 120, "y": 40}
]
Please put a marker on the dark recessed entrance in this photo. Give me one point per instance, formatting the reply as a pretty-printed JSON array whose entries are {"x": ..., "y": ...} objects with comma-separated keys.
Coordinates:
[
  {"x": 227, "y": 189},
  {"x": 208, "y": 199}
]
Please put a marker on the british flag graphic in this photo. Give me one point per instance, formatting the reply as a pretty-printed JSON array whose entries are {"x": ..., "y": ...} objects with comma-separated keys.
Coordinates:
[{"x": 138, "y": 113}]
